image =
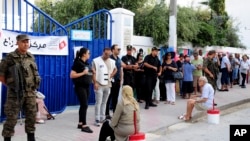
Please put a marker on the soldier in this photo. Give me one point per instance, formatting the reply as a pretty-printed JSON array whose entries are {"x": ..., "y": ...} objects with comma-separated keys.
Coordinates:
[
  {"x": 210, "y": 67},
  {"x": 18, "y": 71}
]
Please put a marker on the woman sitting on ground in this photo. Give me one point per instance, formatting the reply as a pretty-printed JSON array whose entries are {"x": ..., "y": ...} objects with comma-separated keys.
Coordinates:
[
  {"x": 122, "y": 121},
  {"x": 200, "y": 102},
  {"x": 42, "y": 113}
]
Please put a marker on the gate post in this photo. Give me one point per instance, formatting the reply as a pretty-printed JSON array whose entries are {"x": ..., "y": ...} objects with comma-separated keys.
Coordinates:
[
  {"x": 1, "y": 13},
  {"x": 122, "y": 28}
]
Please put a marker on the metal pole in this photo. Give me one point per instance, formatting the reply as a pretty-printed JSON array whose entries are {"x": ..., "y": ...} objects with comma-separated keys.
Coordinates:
[{"x": 173, "y": 25}]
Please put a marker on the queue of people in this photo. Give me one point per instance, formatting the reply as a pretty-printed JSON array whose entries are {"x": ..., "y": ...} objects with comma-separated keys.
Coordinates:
[{"x": 144, "y": 79}]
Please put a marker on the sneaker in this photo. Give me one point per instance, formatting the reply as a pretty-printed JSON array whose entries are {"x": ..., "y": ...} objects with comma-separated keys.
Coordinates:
[
  {"x": 87, "y": 129},
  {"x": 152, "y": 105},
  {"x": 97, "y": 123},
  {"x": 40, "y": 121}
]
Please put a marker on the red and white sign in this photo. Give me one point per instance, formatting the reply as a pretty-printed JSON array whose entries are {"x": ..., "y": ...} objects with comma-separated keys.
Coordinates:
[{"x": 40, "y": 45}]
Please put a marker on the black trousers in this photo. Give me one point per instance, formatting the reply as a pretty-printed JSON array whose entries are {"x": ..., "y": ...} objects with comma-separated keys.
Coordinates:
[
  {"x": 113, "y": 97},
  {"x": 149, "y": 87},
  {"x": 243, "y": 79},
  {"x": 83, "y": 96}
]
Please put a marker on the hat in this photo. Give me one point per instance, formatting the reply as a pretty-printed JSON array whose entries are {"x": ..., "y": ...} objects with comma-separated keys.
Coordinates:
[
  {"x": 172, "y": 54},
  {"x": 22, "y": 37},
  {"x": 129, "y": 47},
  {"x": 155, "y": 48},
  {"x": 181, "y": 55}
]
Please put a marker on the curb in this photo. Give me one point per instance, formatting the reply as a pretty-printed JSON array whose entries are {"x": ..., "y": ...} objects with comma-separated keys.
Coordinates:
[{"x": 202, "y": 114}]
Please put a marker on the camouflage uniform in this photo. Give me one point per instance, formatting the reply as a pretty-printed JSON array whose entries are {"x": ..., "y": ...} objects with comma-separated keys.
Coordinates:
[
  {"x": 15, "y": 99},
  {"x": 212, "y": 66}
]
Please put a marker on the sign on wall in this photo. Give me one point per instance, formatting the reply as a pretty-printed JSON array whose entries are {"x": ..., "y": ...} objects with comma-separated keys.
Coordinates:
[
  {"x": 40, "y": 45},
  {"x": 81, "y": 35}
]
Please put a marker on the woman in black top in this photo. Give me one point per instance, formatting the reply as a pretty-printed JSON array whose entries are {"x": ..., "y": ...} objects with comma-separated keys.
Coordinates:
[
  {"x": 82, "y": 78},
  {"x": 169, "y": 66}
]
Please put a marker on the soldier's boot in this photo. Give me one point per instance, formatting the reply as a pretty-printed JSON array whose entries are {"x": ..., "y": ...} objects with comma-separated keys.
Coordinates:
[
  {"x": 7, "y": 139},
  {"x": 31, "y": 137}
]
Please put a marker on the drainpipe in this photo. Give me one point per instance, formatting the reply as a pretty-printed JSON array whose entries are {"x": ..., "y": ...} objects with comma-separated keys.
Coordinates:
[{"x": 173, "y": 25}]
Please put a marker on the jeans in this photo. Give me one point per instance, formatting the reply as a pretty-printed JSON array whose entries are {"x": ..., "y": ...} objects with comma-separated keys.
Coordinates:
[
  {"x": 235, "y": 73},
  {"x": 83, "y": 96},
  {"x": 101, "y": 98},
  {"x": 224, "y": 76},
  {"x": 180, "y": 87}
]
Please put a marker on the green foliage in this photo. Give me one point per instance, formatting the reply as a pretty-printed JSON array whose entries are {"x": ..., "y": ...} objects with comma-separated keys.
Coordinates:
[
  {"x": 218, "y": 6},
  {"x": 131, "y": 5},
  {"x": 153, "y": 21},
  {"x": 187, "y": 24},
  {"x": 199, "y": 27},
  {"x": 64, "y": 11}
]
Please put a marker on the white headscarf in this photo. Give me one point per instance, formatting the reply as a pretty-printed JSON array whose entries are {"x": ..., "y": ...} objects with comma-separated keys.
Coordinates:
[{"x": 128, "y": 98}]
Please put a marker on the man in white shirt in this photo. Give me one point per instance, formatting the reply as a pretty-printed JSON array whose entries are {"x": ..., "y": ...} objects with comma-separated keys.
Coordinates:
[
  {"x": 225, "y": 68},
  {"x": 200, "y": 102},
  {"x": 104, "y": 69}
]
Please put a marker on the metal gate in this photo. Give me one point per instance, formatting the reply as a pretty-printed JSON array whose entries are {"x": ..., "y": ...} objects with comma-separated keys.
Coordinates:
[
  {"x": 56, "y": 84},
  {"x": 97, "y": 23}
]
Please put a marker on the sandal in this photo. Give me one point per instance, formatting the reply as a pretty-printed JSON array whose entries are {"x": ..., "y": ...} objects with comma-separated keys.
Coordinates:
[
  {"x": 182, "y": 116},
  {"x": 167, "y": 102},
  {"x": 172, "y": 103}
]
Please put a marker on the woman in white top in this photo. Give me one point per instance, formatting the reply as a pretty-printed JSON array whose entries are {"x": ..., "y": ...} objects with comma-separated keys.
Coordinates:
[{"x": 244, "y": 67}]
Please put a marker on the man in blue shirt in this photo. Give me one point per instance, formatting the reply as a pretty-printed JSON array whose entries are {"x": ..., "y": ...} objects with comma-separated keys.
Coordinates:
[
  {"x": 116, "y": 82},
  {"x": 187, "y": 70}
]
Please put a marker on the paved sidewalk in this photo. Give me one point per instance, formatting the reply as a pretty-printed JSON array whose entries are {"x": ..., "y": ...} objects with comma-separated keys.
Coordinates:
[{"x": 64, "y": 127}]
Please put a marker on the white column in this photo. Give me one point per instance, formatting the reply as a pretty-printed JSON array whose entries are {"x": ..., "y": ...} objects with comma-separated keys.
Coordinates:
[
  {"x": 172, "y": 25},
  {"x": 122, "y": 28}
]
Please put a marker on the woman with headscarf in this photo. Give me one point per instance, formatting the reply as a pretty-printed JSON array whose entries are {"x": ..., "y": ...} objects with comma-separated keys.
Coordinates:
[{"x": 122, "y": 121}]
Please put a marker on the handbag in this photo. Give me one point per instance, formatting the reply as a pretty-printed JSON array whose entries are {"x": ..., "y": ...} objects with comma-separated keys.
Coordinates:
[
  {"x": 136, "y": 136},
  {"x": 177, "y": 75}
]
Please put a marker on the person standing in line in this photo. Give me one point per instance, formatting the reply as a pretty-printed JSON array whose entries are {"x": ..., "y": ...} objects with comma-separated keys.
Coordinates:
[
  {"x": 21, "y": 87},
  {"x": 168, "y": 67},
  {"x": 218, "y": 80},
  {"x": 198, "y": 63},
  {"x": 232, "y": 62},
  {"x": 129, "y": 65},
  {"x": 81, "y": 76},
  {"x": 236, "y": 69},
  {"x": 211, "y": 69},
  {"x": 244, "y": 67},
  {"x": 188, "y": 70},
  {"x": 140, "y": 79},
  {"x": 116, "y": 83},
  {"x": 104, "y": 70},
  {"x": 225, "y": 69},
  {"x": 152, "y": 69},
  {"x": 179, "y": 65}
]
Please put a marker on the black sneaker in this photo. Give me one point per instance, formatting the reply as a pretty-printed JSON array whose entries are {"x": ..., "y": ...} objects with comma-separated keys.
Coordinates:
[
  {"x": 146, "y": 107},
  {"x": 79, "y": 126},
  {"x": 87, "y": 129},
  {"x": 152, "y": 105}
]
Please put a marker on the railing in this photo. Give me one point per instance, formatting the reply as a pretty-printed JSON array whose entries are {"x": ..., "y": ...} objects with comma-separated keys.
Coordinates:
[{"x": 23, "y": 16}]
